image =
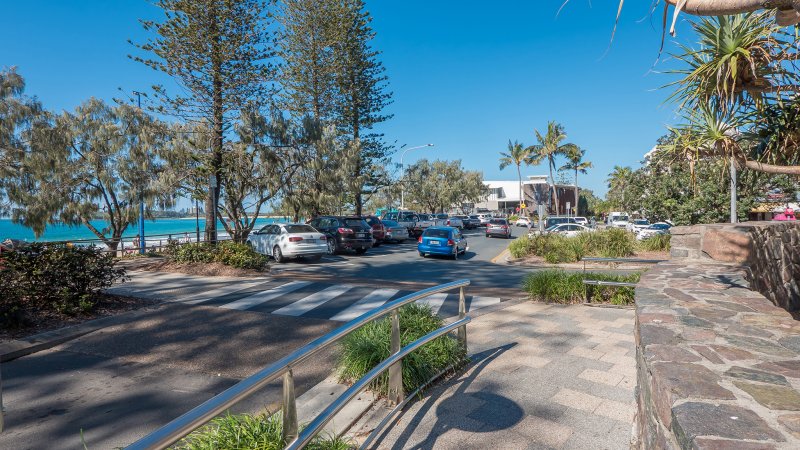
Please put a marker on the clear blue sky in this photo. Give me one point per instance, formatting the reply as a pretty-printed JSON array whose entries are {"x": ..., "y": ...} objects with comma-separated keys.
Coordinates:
[{"x": 467, "y": 76}]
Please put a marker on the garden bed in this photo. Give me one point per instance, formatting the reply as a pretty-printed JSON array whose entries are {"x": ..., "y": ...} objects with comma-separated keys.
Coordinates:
[
  {"x": 212, "y": 269},
  {"x": 559, "y": 286}
]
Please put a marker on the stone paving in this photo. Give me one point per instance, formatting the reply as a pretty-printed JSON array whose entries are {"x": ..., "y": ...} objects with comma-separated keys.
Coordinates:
[{"x": 542, "y": 376}]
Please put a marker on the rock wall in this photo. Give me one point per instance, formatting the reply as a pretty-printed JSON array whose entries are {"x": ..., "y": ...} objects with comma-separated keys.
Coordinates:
[
  {"x": 769, "y": 250},
  {"x": 718, "y": 363}
]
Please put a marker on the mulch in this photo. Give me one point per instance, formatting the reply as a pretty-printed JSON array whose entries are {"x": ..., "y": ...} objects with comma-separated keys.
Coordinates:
[
  {"x": 40, "y": 321},
  {"x": 201, "y": 269}
]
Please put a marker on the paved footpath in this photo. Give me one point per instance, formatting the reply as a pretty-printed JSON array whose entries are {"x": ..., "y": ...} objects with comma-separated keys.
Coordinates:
[{"x": 542, "y": 376}]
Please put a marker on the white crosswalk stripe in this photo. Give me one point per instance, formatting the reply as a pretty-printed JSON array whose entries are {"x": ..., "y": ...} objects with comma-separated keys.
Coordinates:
[
  {"x": 310, "y": 302},
  {"x": 435, "y": 301},
  {"x": 263, "y": 297},
  {"x": 371, "y": 301},
  {"x": 211, "y": 294}
]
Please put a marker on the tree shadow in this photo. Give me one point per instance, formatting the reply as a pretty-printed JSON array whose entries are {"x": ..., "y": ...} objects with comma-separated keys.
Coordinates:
[{"x": 504, "y": 412}]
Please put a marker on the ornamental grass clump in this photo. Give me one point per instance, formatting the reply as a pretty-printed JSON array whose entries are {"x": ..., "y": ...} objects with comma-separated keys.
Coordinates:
[
  {"x": 228, "y": 253},
  {"x": 366, "y": 347},
  {"x": 657, "y": 243},
  {"x": 558, "y": 249},
  {"x": 559, "y": 286},
  {"x": 256, "y": 432}
]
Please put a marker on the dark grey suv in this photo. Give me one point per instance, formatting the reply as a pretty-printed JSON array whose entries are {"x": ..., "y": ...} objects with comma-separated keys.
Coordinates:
[{"x": 344, "y": 233}]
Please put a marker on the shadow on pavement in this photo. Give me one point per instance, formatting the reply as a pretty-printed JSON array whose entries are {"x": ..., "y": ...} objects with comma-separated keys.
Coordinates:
[{"x": 498, "y": 413}]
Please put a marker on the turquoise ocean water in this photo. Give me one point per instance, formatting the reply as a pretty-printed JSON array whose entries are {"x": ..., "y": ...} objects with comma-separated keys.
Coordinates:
[{"x": 65, "y": 233}]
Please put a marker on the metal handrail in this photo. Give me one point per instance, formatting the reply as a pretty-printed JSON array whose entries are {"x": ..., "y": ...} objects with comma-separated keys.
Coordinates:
[
  {"x": 327, "y": 414},
  {"x": 188, "y": 422}
]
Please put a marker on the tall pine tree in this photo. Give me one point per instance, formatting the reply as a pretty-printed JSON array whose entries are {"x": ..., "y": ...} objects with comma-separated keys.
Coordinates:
[{"x": 220, "y": 53}]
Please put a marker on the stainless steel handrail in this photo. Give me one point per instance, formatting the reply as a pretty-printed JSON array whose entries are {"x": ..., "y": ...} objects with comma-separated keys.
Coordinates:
[
  {"x": 188, "y": 422},
  {"x": 327, "y": 414}
]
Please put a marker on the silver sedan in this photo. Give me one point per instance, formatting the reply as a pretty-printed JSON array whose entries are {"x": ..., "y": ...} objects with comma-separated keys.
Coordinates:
[
  {"x": 394, "y": 231},
  {"x": 289, "y": 240}
]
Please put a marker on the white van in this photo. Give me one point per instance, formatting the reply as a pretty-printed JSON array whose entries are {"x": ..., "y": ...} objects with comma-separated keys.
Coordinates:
[{"x": 618, "y": 220}]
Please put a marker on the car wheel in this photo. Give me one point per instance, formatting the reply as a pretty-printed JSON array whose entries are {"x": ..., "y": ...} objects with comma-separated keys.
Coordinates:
[
  {"x": 361, "y": 251},
  {"x": 422, "y": 254},
  {"x": 278, "y": 255},
  {"x": 331, "y": 246}
]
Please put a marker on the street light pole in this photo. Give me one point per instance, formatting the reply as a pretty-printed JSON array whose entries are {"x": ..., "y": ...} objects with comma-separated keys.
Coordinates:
[
  {"x": 402, "y": 183},
  {"x": 141, "y": 195}
]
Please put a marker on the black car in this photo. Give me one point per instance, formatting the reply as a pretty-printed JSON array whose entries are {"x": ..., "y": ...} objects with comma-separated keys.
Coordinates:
[{"x": 345, "y": 233}]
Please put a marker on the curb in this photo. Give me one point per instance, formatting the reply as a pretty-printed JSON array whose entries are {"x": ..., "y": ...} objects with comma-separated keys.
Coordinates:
[
  {"x": 498, "y": 257},
  {"x": 43, "y": 341},
  {"x": 573, "y": 266}
]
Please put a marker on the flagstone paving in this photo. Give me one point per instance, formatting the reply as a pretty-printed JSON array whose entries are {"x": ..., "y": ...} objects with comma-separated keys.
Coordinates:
[{"x": 542, "y": 376}]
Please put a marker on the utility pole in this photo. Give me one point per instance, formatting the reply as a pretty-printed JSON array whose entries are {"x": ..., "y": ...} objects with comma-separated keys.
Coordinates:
[{"x": 142, "y": 243}]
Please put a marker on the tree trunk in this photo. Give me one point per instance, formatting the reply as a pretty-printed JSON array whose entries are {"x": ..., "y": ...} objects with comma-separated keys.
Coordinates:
[
  {"x": 555, "y": 191},
  {"x": 725, "y": 7},
  {"x": 217, "y": 132},
  {"x": 771, "y": 168},
  {"x": 576, "y": 191},
  {"x": 521, "y": 201}
]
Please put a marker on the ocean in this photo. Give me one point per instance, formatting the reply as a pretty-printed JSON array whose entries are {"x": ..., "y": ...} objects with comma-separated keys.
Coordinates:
[{"x": 177, "y": 227}]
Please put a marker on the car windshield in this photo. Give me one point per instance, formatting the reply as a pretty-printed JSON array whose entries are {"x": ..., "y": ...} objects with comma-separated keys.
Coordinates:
[
  {"x": 640, "y": 222},
  {"x": 353, "y": 222},
  {"x": 659, "y": 226},
  {"x": 474, "y": 217},
  {"x": 552, "y": 227},
  {"x": 300, "y": 229},
  {"x": 436, "y": 233},
  {"x": 621, "y": 218},
  {"x": 406, "y": 216},
  {"x": 498, "y": 222},
  {"x": 390, "y": 223},
  {"x": 441, "y": 216},
  {"x": 424, "y": 217}
]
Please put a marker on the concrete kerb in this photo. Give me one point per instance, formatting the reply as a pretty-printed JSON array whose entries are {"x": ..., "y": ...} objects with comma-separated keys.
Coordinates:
[
  {"x": 575, "y": 266},
  {"x": 22, "y": 347}
]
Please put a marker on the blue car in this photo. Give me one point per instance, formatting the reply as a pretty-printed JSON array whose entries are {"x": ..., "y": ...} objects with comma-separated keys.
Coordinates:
[{"x": 442, "y": 241}]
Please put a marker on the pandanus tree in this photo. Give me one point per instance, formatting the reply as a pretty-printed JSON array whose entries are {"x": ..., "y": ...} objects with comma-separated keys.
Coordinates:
[
  {"x": 516, "y": 155},
  {"x": 550, "y": 145},
  {"x": 576, "y": 163}
]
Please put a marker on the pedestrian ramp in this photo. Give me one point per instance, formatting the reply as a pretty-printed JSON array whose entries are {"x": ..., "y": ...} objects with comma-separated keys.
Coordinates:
[{"x": 340, "y": 302}]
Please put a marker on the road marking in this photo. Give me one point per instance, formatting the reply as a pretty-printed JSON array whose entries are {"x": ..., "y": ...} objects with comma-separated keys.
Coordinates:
[
  {"x": 371, "y": 301},
  {"x": 207, "y": 295},
  {"x": 435, "y": 301},
  {"x": 482, "y": 302},
  {"x": 310, "y": 302},
  {"x": 497, "y": 258},
  {"x": 263, "y": 297}
]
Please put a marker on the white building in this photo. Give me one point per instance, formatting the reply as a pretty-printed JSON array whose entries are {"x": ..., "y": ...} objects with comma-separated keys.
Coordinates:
[{"x": 504, "y": 196}]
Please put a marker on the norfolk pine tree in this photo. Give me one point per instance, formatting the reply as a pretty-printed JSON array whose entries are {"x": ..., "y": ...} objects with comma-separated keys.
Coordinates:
[{"x": 219, "y": 53}]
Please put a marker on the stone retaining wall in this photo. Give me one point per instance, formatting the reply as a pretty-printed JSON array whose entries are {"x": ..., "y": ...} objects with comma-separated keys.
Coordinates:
[
  {"x": 718, "y": 363},
  {"x": 770, "y": 250}
]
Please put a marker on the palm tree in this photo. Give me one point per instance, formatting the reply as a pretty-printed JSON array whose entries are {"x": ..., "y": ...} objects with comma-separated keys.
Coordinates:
[
  {"x": 549, "y": 147},
  {"x": 618, "y": 181},
  {"x": 575, "y": 162},
  {"x": 516, "y": 155}
]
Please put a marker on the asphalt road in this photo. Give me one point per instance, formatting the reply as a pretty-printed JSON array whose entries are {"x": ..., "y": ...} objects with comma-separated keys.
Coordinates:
[{"x": 401, "y": 262}]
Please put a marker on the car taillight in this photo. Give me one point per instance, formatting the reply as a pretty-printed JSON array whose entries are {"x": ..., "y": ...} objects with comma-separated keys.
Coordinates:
[
  {"x": 323, "y": 237},
  {"x": 345, "y": 231},
  {"x": 420, "y": 240},
  {"x": 450, "y": 242},
  {"x": 504, "y": 227},
  {"x": 448, "y": 222},
  {"x": 295, "y": 239}
]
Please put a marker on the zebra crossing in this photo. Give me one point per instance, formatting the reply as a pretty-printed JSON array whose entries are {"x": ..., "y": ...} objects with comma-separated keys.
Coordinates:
[{"x": 309, "y": 299}]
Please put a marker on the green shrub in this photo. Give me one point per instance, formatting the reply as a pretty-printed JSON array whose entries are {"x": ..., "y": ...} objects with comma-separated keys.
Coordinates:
[
  {"x": 513, "y": 218},
  {"x": 657, "y": 243},
  {"x": 257, "y": 432},
  {"x": 521, "y": 247},
  {"x": 567, "y": 287},
  {"x": 366, "y": 347},
  {"x": 556, "y": 249},
  {"x": 229, "y": 253},
  {"x": 53, "y": 277}
]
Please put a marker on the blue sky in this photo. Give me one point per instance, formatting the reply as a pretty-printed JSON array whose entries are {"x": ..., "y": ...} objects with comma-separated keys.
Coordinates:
[{"x": 467, "y": 76}]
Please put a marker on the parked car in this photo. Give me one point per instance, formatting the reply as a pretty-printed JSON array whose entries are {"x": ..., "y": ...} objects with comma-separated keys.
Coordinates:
[
  {"x": 289, "y": 240},
  {"x": 637, "y": 225},
  {"x": 654, "y": 230},
  {"x": 581, "y": 221},
  {"x": 476, "y": 221},
  {"x": 484, "y": 218},
  {"x": 469, "y": 224},
  {"x": 523, "y": 222},
  {"x": 407, "y": 219},
  {"x": 449, "y": 221},
  {"x": 423, "y": 222},
  {"x": 378, "y": 230},
  {"x": 344, "y": 233},
  {"x": 618, "y": 220},
  {"x": 442, "y": 241},
  {"x": 568, "y": 229},
  {"x": 498, "y": 227},
  {"x": 394, "y": 232},
  {"x": 549, "y": 221}
]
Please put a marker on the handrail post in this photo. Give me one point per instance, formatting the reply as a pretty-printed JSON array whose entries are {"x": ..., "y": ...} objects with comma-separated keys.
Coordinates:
[
  {"x": 462, "y": 312},
  {"x": 289, "y": 408},
  {"x": 395, "y": 370}
]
